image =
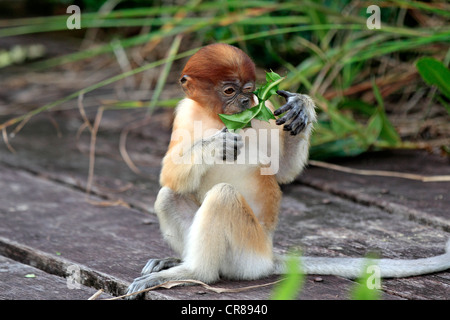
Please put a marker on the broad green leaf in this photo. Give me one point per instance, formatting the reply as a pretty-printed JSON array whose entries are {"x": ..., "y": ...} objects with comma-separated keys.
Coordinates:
[
  {"x": 270, "y": 88},
  {"x": 238, "y": 120},
  {"x": 264, "y": 113},
  {"x": 435, "y": 73}
]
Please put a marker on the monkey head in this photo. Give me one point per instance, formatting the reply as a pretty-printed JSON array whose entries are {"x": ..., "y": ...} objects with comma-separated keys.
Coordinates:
[{"x": 220, "y": 77}]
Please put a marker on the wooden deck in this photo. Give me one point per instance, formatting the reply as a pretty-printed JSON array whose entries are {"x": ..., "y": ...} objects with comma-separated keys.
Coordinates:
[
  {"x": 51, "y": 230},
  {"x": 49, "y": 225}
]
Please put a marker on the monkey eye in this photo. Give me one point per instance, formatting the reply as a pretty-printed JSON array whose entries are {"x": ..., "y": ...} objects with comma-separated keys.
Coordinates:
[
  {"x": 183, "y": 79},
  {"x": 229, "y": 91}
]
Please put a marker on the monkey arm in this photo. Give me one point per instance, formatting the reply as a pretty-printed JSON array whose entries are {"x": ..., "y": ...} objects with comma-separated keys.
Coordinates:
[
  {"x": 299, "y": 116},
  {"x": 197, "y": 144},
  {"x": 184, "y": 165},
  {"x": 183, "y": 169}
]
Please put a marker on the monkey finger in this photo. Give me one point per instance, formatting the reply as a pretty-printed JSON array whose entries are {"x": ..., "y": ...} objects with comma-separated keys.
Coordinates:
[
  {"x": 290, "y": 115},
  {"x": 299, "y": 124},
  {"x": 283, "y": 109},
  {"x": 285, "y": 94},
  {"x": 149, "y": 267}
]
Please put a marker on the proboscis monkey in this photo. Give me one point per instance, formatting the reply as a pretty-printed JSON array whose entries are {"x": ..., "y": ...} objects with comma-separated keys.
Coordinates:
[{"x": 219, "y": 202}]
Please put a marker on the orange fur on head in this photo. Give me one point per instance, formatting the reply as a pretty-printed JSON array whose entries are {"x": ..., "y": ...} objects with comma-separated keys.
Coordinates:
[{"x": 211, "y": 65}]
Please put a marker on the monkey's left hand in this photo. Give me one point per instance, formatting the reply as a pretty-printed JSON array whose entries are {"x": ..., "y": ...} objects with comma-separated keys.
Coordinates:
[{"x": 295, "y": 112}]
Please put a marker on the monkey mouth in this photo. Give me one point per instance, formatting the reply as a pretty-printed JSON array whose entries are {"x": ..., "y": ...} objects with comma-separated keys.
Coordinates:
[{"x": 233, "y": 109}]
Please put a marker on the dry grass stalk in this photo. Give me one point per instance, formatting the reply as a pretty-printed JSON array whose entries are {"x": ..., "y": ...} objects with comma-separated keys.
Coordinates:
[
  {"x": 98, "y": 118},
  {"x": 381, "y": 173},
  {"x": 175, "y": 283},
  {"x": 96, "y": 295},
  {"x": 5, "y": 138}
]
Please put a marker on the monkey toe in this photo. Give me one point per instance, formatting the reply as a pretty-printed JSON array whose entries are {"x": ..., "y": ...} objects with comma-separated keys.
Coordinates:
[
  {"x": 142, "y": 283},
  {"x": 155, "y": 265}
]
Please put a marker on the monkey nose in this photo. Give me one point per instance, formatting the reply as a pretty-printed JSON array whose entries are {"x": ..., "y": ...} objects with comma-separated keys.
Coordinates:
[{"x": 245, "y": 102}]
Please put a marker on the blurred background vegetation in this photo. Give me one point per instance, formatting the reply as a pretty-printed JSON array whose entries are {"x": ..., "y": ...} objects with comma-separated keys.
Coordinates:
[{"x": 375, "y": 89}]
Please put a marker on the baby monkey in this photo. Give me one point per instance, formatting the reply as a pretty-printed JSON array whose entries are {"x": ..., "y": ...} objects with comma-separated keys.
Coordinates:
[{"x": 219, "y": 216}]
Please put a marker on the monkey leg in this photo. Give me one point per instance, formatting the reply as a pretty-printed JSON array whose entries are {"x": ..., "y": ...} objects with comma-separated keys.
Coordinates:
[
  {"x": 175, "y": 213},
  {"x": 225, "y": 239}
]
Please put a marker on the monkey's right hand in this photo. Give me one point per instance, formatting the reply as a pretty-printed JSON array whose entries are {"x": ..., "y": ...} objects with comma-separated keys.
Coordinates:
[{"x": 224, "y": 145}]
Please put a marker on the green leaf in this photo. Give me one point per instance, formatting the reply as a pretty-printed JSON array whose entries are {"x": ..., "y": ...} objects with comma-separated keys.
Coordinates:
[
  {"x": 271, "y": 87},
  {"x": 377, "y": 94},
  {"x": 388, "y": 132},
  {"x": 264, "y": 113},
  {"x": 435, "y": 73},
  {"x": 30, "y": 275},
  {"x": 373, "y": 129},
  {"x": 366, "y": 288},
  {"x": 289, "y": 287},
  {"x": 342, "y": 123},
  {"x": 357, "y": 106},
  {"x": 238, "y": 120},
  {"x": 346, "y": 147}
]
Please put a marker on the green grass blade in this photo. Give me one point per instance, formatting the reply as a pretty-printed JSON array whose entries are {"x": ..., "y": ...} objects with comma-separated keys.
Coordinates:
[
  {"x": 368, "y": 284},
  {"x": 165, "y": 72},
  {"x": 289, "y": 287}
]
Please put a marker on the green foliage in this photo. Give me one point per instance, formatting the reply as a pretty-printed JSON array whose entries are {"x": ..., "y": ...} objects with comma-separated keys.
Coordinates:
[
  {"x": 290, "y": 286},
  {"x": 343, "y": 136},
  {"x": 435, "y": 73},
  {"x": 324, "y": 53},
  {"x": 367, "y": 286},
  {"x": 260, "y": 111},
  {"x": 367, "y": 283}
]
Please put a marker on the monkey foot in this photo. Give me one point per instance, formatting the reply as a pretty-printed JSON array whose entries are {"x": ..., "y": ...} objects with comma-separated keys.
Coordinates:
[{"x": 156, "y": 265}]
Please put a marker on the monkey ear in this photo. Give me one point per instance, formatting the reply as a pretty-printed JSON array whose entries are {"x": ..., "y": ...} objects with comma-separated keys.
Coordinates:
[{"x": 185, "y": 82}]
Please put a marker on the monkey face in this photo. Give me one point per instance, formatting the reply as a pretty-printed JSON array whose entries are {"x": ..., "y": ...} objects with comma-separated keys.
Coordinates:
[
  {"x": 220, "y": 77},
  {"x": 235, "y": 97}
]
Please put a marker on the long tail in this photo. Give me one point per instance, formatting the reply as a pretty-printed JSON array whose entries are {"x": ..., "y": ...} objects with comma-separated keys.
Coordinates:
[{"x": 353, "y": 267}]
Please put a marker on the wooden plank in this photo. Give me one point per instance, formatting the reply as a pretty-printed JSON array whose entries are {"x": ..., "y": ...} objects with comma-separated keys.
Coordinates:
[
  {"x": 326, "y": 225},
  {"x": 426, "y": 202},
  {"x": 46, "y": 217},
  {"x": 39, "y": 285},
  {"x": 117, "y": 241},
  {"x": 320, "y": 223},
  {"x": 67, "y": 160}
]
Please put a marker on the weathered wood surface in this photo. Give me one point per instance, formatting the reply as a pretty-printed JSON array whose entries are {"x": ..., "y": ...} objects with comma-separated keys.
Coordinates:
[
  {"x": 428, "y": 202},
  {"x": 39, "y": 285},
  {"x": 48, "y": 222}
]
